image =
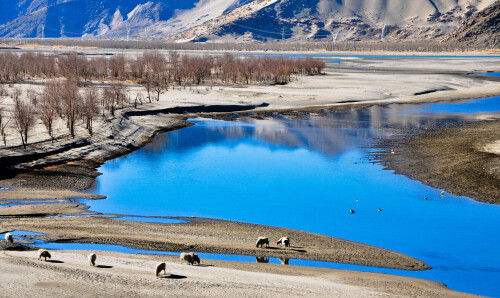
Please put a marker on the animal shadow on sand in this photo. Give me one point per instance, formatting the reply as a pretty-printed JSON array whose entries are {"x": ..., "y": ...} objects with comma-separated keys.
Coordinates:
[
  {"x": 172, "y": 276},
  {"x": 104, "y": 266},
  {"x": 55, "y": 261},
  {"x": 287, "y": 248},
  {"x": 205, "y": 265}
]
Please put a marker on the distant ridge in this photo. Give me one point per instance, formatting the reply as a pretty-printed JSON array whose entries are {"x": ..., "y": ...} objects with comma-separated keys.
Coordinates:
[
  {"x": 482, "y": 29},
  {"x": 237, "y": 20}
]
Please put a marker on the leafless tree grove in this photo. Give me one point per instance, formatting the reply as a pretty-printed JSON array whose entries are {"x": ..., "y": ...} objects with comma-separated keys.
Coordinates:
[
  {"x": 64, "y": 98},
  {"x": 24, "y": 119}
]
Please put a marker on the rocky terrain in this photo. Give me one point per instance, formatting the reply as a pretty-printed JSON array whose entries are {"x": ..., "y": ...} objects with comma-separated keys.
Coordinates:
[
  {"x": 482, "y": 29},
  {"x": 294, "y": 20},
  {"x": 107, "y": 19},
  {"x": 241, "y": 20}
]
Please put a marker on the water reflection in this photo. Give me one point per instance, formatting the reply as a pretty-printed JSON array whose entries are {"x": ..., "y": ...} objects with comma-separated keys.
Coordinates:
[
  {"x": 262, "y": 259},
  {"x": 307, "y": 174}
]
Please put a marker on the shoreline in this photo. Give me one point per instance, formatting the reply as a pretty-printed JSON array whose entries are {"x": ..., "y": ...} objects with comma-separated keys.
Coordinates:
[
  {"x": 206, "y": 235},
  {"x": 120, "y": 274},
  {"x": 436, "y": 157},
  {"x": 72, "y": 165}
]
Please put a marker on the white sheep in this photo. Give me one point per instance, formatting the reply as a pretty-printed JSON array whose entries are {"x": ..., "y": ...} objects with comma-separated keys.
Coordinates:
[
  {"x": 92, "y": 258},
  {"x": 284, "y": 241},
  {"x": 195, "y": 258},
  {"x": 8, "y": 238},
  {"x": 261, "y": 241},
  {"x": 185, "y": 257},
  {"x": 161, "y": 267},
  {"x": 43, "y": 253}
]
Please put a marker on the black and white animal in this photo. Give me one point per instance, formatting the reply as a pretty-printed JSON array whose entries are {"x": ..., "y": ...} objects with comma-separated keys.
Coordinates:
[
  {"x": 43, "y": 253},
  {"x": 352, "y": 211},
  {"x": 284, "y": 241},
  {"x": 92, "y": 257},
  {"x": 284, "y": 261},
  {"x": 261, "y": 241},
  {"x": 379, "y": 210},
  {"x": 8, "y": 238},
  {"x": 161, "y": 267},
  {"x": 196, "y": 259},
  {"x": 185, "y": 257}
]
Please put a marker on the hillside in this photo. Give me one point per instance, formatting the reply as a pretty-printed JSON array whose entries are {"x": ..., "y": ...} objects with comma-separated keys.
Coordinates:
[
  {"x": 242, "y": 20},
  {"x": 299, "y": 20},
  {"x": 482, "y": 29},
  {"x": 105, "y": 18}
]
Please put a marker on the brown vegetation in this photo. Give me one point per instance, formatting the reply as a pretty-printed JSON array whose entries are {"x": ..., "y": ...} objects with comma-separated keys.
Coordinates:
[{"x": 63, "y": 98}]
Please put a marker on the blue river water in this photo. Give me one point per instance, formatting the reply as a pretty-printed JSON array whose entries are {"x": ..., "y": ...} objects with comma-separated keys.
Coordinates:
[
  {"x": 307, "y": 174},
  {"x": 410, "y": 56}
]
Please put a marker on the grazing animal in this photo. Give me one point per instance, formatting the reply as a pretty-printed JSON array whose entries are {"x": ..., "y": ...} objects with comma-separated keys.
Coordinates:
[
  {"x": 352, "y": 211},
  {"x": 185, "y": 257},
  {"x": 161, "y": 267},
  {"x": 261, "y": 241},
  {"x": 8, "y": 238},
  {"x": 379, "y": 210},
  {"x": 284, "y": 241},
  {"x": 43, "y": 253},
  {"x": 442, "y": 193},
  {"x": 425, "y": 198},
  {"x": 262, "y": 260},
  {"x": 284, "y": 261},
  {"x": 92, "y": 258},
  {"x": 195, "y": 257}
]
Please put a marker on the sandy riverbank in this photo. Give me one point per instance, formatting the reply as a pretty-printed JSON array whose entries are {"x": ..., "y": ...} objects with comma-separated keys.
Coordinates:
[
  {"x": 355, "y": 81},
  {"x": 69, "y": 164},
  {"x": 133, "y": 275},
  {"x": 464, "y": 159},
  {"x": 210, "y": 236}
]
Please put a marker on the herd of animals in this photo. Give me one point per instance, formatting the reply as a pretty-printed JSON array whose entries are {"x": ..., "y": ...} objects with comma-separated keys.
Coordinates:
[{"x": 190, "y": 258}]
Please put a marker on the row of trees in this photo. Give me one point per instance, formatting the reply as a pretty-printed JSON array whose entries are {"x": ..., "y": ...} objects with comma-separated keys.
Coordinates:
[
  {"x": 63, "y": 100},
  {"x": 422, "y": 45},
  {"x": 155, "y": 70}
]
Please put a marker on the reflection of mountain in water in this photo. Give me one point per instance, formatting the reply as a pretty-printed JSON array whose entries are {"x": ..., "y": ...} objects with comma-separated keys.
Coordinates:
[{"x": 333, "y": 133}]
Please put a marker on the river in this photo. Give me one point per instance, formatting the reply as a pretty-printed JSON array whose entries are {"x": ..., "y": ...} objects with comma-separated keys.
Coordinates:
[{"x": 307, "y": 174}]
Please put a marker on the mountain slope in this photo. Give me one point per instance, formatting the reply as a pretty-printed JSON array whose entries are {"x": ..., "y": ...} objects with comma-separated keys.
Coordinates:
[
  {"x": 244, "y": 20},
  {"x": 482, "y": 29},
  {"x": 105, "y": 18},
  {"x": 340, "y": 20}
]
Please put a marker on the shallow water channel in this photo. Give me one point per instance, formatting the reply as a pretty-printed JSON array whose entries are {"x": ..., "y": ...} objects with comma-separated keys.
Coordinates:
[{"x": 307, "y": 175}]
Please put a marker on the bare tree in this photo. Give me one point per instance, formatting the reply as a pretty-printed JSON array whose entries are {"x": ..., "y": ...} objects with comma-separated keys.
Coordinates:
[
  {"x": 159, "y": 86},
  {"x": 114, "y": 96},
  {"x": 24, "y": 119},
  {"x": 90, "y": 106},
  {"x": 148, "y": 84},
  {"x": 71, "y": 103},
  {"x": 48, "y": 112},
  {"x": 3, "y": 125},
  {"x": 139, "y": 99}
]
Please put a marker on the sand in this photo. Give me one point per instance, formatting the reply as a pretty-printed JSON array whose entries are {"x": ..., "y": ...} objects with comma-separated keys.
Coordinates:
[
  {"x": 69, "y": 165},
  {"x": 462, "y": 160},
  {"x": 124, "y": 275},
  {"x": 356, "y": 81},
  {"x": 210, "y": 236}
]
